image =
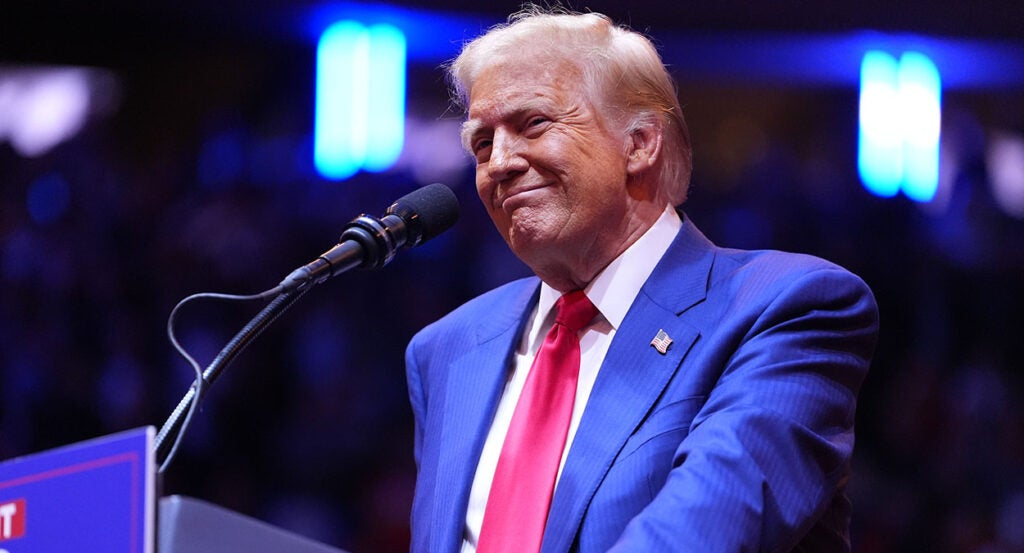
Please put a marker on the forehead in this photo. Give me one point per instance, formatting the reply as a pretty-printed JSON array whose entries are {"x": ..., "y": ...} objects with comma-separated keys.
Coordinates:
[{"x": 506, "y": 87}]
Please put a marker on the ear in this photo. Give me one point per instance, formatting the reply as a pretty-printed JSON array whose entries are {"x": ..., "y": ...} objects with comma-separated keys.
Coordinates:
[{"x": 644, "y": 146}]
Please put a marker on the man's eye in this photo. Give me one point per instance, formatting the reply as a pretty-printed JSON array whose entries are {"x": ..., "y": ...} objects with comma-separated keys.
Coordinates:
[
  {"x": 481, "y": 145},
  {"x": 536, "y": 121}
]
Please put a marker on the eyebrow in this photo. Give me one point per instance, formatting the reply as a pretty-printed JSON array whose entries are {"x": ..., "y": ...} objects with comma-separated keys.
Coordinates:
[{"x": 471, "y": 127}]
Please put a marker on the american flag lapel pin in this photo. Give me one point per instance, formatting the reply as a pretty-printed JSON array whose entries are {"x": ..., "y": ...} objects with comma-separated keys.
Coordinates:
[{"x": 661, "y": 341}]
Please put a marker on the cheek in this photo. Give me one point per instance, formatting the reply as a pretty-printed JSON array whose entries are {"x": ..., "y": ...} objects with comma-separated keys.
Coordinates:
[
  {"x": 485, "y": 189},
  {"x": 583, "y": 158},
  {"x": 484, "y": 186}
]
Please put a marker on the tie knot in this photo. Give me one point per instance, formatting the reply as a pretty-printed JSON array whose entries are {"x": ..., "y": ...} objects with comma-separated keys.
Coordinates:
[{"x": 574, "y": 310}]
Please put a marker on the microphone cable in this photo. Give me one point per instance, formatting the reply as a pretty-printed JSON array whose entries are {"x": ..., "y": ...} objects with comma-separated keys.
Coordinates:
[
  {"x": 181, "y": 418},
  {"x": 367, "y": 241}
]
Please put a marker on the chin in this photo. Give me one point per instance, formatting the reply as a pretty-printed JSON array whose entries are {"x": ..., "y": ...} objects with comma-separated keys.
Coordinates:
[{"x": 533, "y": 244}]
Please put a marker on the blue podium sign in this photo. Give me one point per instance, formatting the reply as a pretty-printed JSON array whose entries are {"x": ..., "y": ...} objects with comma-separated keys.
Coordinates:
[{"x": 97, "y": 495}]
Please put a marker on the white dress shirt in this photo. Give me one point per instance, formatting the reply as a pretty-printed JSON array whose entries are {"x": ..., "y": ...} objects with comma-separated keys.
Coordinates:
[{"x": 612, "y": 292}]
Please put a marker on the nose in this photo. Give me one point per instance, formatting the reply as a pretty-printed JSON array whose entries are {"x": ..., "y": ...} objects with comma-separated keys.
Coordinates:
[{"x": 507, "y": 155}]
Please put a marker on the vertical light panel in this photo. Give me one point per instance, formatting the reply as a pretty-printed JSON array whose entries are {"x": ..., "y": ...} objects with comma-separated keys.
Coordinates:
[
  {"x": 921, "y": 107},
  {"x": 339, "y": 143},
  {"x": 386, "y": 104},
  {"x": 900, "y": 118},
  {"x": 360, "y": 99},
  {"x": 879, "y": 142}
]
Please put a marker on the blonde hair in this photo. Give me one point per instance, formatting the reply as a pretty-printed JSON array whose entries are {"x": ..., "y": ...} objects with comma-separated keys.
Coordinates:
[{"x": 618, "y": 65}]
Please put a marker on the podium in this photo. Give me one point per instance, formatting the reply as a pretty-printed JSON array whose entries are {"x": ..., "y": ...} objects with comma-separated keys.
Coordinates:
[
  {"x": 189, "y": 525},
  {"x": 100, "y": 495}
]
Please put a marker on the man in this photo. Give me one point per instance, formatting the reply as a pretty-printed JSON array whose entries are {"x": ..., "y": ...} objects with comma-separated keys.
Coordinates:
[{"x": 711, "y": 391}]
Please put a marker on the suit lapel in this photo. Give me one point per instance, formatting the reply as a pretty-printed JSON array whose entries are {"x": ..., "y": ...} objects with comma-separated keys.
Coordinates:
[
  {"x": 475, "y": 383},
  {"x": 632, "y": 377}
]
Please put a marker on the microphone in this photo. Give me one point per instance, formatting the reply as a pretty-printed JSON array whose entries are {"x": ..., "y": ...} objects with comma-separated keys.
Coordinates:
[{"x": 370, "y": 242}]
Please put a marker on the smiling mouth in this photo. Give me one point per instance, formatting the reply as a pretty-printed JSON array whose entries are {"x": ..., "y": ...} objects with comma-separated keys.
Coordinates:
[{"x": 518, "y": 197}]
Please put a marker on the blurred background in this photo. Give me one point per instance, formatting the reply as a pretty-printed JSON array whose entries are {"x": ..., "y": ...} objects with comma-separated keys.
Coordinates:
[{"x": 151, "y": 150}]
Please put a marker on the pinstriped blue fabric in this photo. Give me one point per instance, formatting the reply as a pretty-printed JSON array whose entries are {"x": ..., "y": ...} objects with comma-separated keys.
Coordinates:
[{"x": 737, "y": 439}]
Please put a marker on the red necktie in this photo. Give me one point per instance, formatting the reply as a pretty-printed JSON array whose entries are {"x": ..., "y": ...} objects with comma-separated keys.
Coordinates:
[{"x": 517, "y": 507}]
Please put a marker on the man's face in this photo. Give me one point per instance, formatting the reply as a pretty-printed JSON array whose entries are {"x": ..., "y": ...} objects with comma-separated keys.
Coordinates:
[{"x": 551, "y": 171}]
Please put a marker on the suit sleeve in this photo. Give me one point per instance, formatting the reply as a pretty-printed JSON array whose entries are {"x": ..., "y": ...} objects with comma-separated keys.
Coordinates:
[
  {"x": 768, "y": 454},
  {"x": 416, "y": 396}
]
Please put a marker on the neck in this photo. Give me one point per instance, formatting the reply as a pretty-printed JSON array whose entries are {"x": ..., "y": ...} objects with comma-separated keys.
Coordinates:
[{"x": 575, "y": 267}]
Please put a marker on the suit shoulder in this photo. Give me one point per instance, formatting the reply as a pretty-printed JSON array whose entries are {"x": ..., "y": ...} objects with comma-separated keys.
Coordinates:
[
  {"x": 768, "y": 273},
  {"x": 762, "y": 258},
  {"x": 492, "y": 307}
]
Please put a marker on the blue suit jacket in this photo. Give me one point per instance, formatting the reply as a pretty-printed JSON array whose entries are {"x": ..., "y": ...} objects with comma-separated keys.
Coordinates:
[{"x": 737, "y": 439}]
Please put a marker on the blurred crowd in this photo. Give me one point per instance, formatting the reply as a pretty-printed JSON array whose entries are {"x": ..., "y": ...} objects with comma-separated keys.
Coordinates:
[{"x": 310, "y": 429}]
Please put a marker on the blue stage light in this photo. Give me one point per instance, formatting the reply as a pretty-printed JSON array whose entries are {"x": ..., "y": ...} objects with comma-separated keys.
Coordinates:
[
  {"x": 920, "y": 98},
  {"x": 386, "y": 97},
  {"x": 900, "y": 118},
  {"x": 360, "y": 99},
  {"x": 879, "y": 143}
]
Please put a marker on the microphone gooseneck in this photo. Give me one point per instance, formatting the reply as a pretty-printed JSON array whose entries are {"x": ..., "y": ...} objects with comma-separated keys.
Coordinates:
[
  {"x": 371, "y": 242},
  {"x": 365, "y": 242}
]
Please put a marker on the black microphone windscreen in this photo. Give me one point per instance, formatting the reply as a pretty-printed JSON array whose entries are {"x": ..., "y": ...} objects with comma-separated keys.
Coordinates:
[{"x": 428, "y": 211}]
